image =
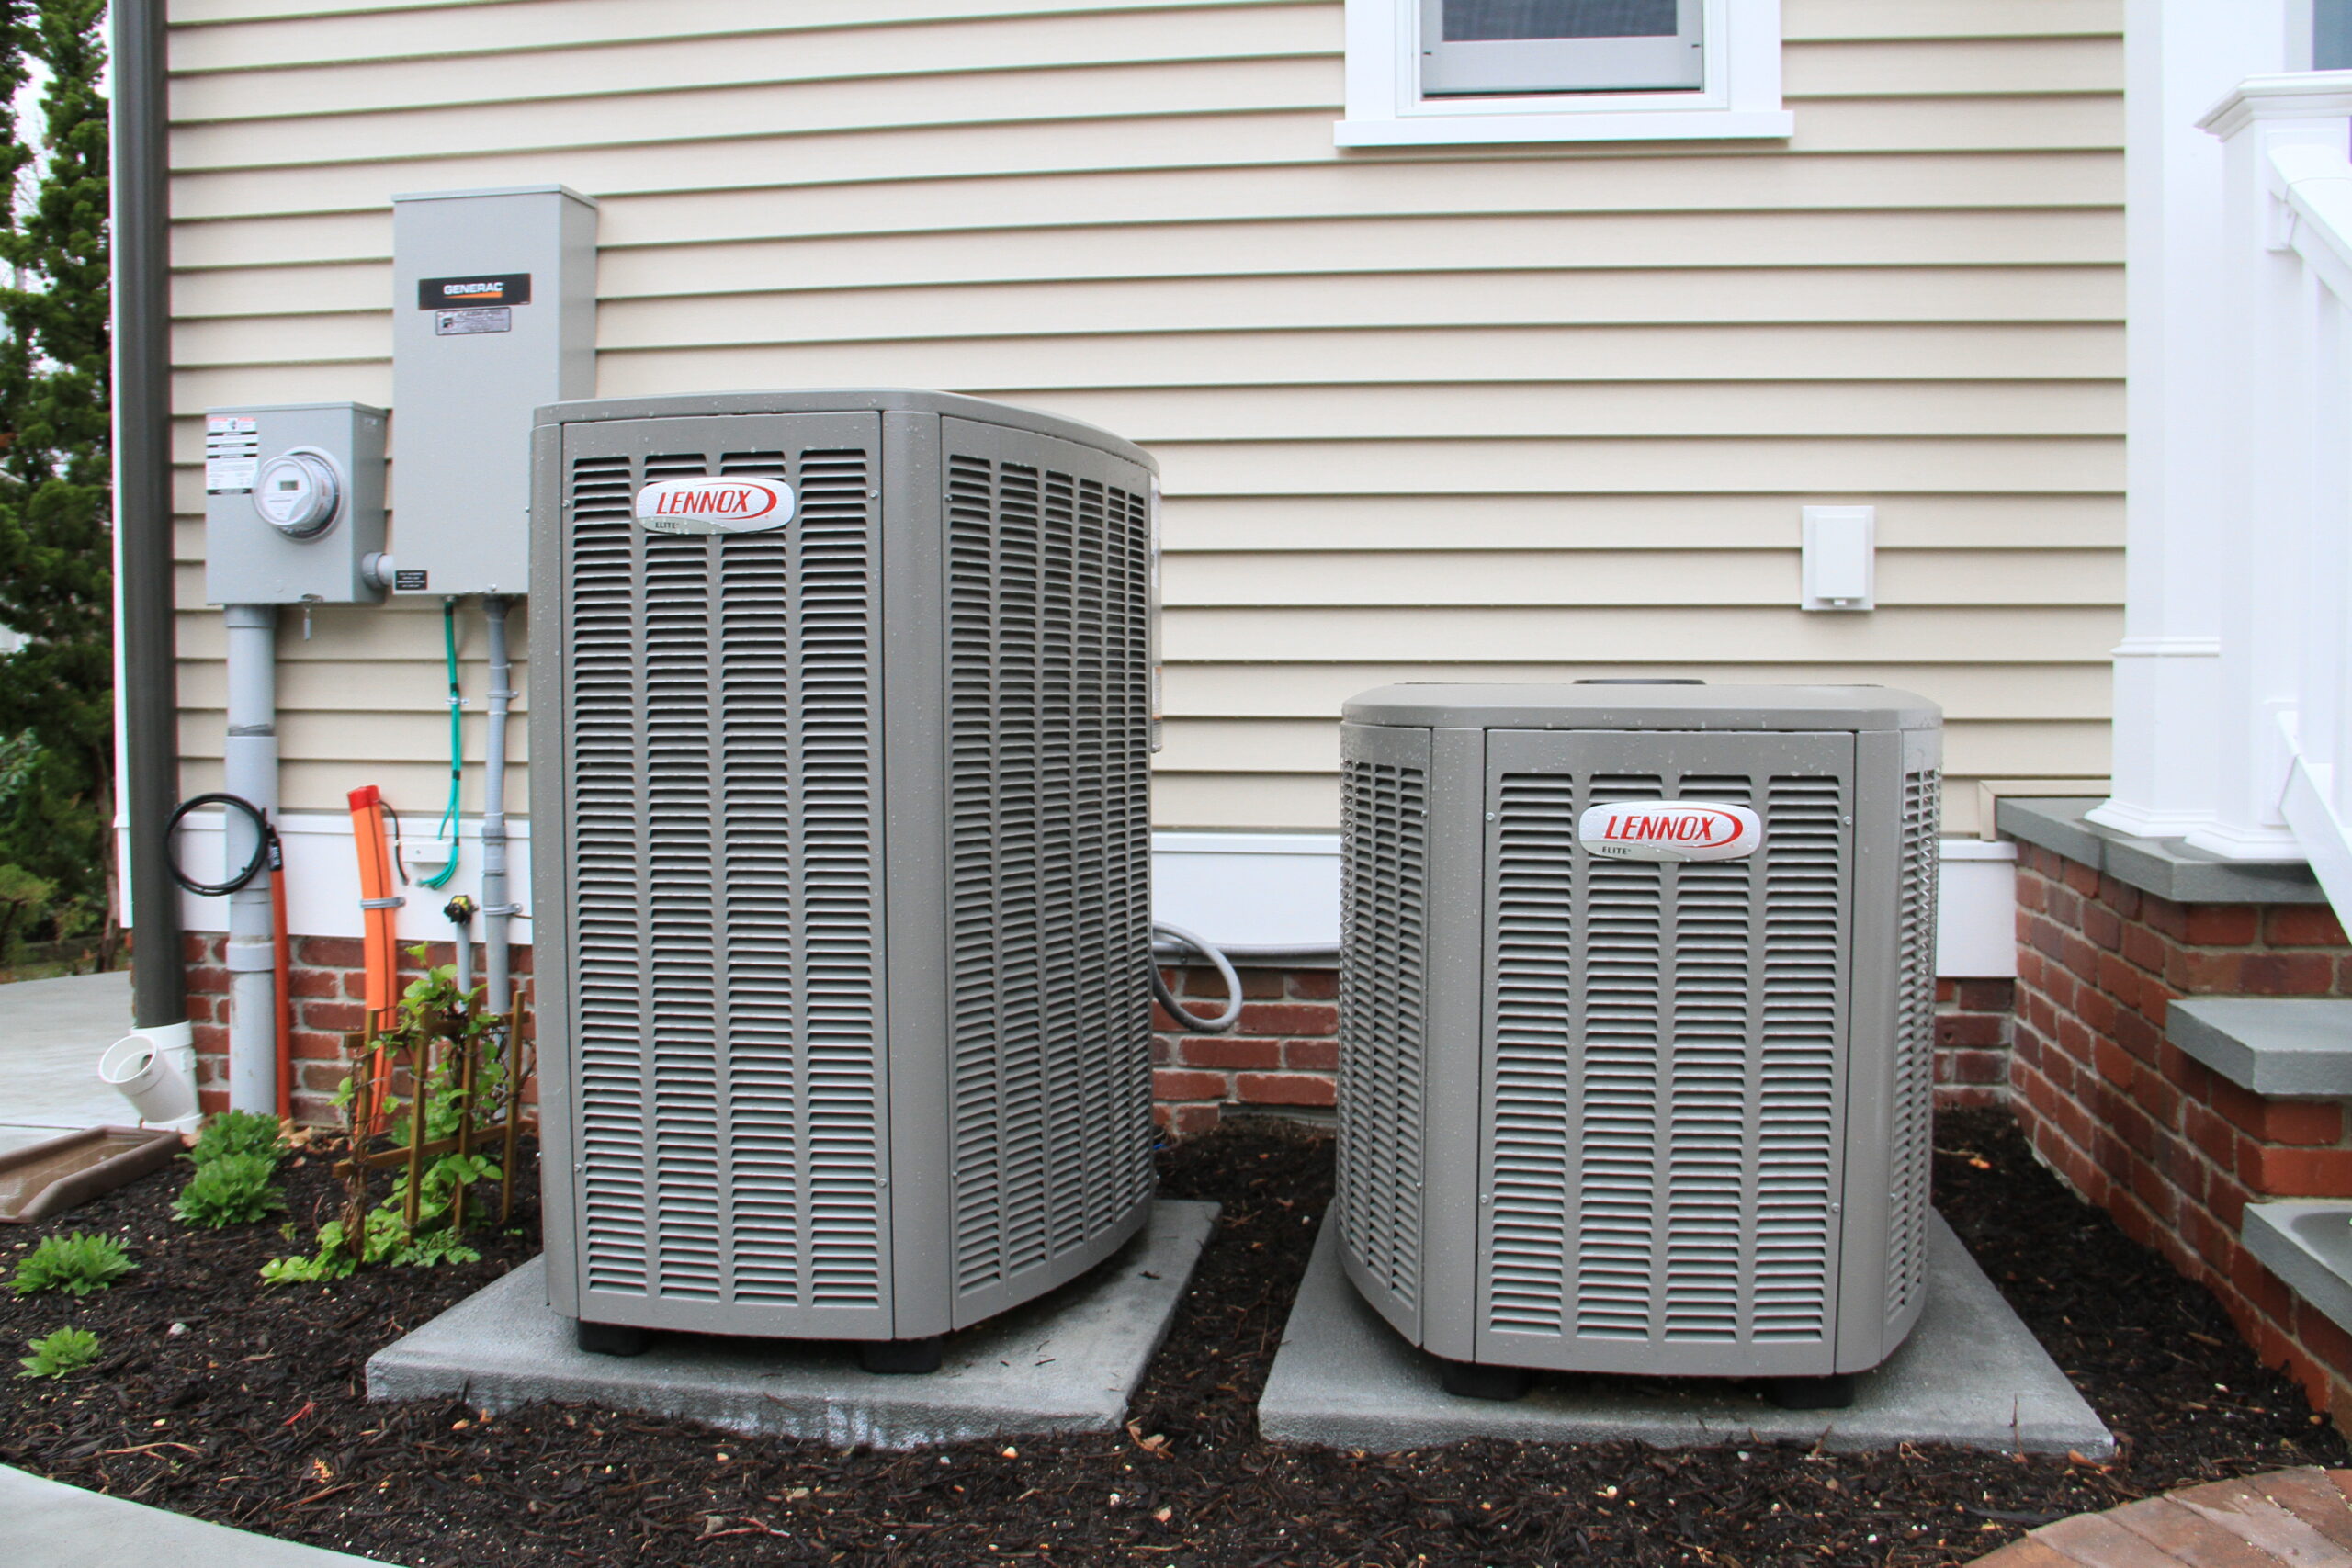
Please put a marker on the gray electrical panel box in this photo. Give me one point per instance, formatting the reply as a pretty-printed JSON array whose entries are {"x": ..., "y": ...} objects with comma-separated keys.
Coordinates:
[
  {"x": 841, "y": 704},
  {"x": 1636, "y": 1024},
  {"x": 293, "y": 503},
  {"x": 495, "y": 314}
]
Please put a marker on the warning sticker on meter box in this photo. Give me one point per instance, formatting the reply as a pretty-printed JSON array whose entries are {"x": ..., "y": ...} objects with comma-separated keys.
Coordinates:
[
  {"x": 231, "y": 454},
  {"x": 477, "y": 318}
]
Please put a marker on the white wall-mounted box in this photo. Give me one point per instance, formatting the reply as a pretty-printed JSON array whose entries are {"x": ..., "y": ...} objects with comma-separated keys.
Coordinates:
[{"x": 1841, "y": 558}]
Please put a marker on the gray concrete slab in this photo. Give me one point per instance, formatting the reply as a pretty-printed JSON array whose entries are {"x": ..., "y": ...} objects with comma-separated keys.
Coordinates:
[
  {"x": 2166, "y": 867},
  {"x": 2279, "y": 1046},
  {"x": 1971, "y": 1375},
  {"x": 50, "y": 1525},
  {"x": 2306, "y": 1242},
  {"x": 52, "y": 1034},
  {"x": 1068, "y": 1362}
]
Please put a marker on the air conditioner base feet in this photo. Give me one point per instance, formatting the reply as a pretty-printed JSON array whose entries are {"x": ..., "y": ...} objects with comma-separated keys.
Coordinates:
[
  {"x": 1813, "y": 1393},
  {"x": 1471, "y": 1379},
  {"x": 899, "y": 1355},
  {"x": 612, "y": 1338}
]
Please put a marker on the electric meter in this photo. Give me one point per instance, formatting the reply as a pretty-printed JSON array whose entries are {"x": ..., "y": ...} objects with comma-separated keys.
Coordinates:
[
  {"x": 293, "y": 503},
  {"x": 296, "y": 493}
]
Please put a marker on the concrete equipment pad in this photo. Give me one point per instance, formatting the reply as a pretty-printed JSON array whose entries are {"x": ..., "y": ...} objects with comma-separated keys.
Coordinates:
[
  {"x": 1067, "y": 1362},
  {"x": 56, "y": 1526},
  {"x": 1970, "y": 1375}
]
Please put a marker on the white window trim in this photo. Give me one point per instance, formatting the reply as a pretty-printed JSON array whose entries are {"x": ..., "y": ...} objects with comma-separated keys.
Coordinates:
[{"x": 1741, "y": 98}]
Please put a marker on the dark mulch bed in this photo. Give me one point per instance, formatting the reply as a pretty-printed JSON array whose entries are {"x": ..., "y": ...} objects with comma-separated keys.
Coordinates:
[{"x": 252, "y": 1416}]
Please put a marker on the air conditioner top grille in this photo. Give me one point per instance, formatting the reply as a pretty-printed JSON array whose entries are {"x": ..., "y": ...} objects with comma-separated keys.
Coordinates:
[{"x": 1707, "y": 709}]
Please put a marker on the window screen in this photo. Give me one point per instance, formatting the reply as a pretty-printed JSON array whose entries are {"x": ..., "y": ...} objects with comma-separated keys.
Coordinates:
[
  {"x": 2331, "y": 34},
  {"x": 1471, "y": 47},
  {"x": 1474, "y": 20}
]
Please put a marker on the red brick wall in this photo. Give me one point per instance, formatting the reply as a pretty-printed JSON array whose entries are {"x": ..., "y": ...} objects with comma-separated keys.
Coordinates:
[
  {"x": 329, "y": 980},
  {"x": 1282, "y": 1054},
  {"x": 1973, "y": 1025},
  {"x": 2172, "y": 1150}
]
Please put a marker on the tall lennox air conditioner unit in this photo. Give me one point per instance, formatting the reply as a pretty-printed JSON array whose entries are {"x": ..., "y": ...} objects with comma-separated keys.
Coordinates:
[
  {"x": 841, "y": 723},
  {"x": 1636, "y": 1026}
]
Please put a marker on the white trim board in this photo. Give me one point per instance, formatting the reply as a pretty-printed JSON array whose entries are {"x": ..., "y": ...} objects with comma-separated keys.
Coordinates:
[{"x": 1237, "y": 889}]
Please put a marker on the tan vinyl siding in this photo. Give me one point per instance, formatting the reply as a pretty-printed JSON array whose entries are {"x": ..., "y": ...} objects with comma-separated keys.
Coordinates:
[{"x": 1486, "y": 414}]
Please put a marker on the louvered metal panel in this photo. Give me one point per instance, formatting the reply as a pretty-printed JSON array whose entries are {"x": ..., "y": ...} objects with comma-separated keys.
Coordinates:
[
  {"x": 724, "y": 774},
  {"x": 1661, "y": 1164},
  {"x": 1049, "y": 854},
  {"x": 1384, "y": 913},
  {"x": 1909, "y": 1156}
]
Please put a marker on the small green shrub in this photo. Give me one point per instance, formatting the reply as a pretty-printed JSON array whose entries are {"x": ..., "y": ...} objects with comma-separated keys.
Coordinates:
[
  {"x": 78, "y": 1264},
  {"x": 232, "y": 1190},
  {"x": 238, "y": 1133},
  {"x": 56, "y": 1355}
]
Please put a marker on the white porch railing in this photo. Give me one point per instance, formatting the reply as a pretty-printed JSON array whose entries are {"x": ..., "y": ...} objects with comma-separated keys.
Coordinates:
[{"x": 2286, "y": 527}]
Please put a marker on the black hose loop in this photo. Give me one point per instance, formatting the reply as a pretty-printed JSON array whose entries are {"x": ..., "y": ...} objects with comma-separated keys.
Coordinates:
[{"x": 266, "y": 850}]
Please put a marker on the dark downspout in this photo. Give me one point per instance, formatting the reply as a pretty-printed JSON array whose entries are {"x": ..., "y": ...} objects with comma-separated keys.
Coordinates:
[{"x": 143, "y": 433}]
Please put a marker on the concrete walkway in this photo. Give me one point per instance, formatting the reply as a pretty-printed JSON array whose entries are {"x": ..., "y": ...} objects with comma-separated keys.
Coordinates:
[
  {"x": 44, "y": 1524},
  {"x": 52, "y": 1034},
  {"x": 2290, "y": 1518}
]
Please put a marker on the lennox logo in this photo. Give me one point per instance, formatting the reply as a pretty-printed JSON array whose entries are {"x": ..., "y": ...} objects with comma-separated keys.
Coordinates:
[
  {"x": 1670, "y": 830},
  {"x": 715, "y": 506}
]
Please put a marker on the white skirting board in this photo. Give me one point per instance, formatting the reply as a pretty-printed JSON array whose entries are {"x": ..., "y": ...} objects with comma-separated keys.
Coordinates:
[{"x": 1235, "y": 890}]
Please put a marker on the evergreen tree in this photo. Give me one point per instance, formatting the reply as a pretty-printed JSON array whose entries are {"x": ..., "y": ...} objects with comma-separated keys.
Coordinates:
[{"x": 56, "y": 396}]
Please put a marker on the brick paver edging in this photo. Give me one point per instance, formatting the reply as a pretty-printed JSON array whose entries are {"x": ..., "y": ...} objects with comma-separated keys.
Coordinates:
[{"x": 2299, "y": 1518}]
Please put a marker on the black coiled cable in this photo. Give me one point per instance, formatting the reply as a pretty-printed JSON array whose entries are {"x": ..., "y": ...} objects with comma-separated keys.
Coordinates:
[{"x": 266, "y": 850}]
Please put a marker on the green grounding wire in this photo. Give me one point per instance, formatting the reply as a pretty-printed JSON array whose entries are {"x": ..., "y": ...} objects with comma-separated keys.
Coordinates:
[{"x": 448, "y": 828}]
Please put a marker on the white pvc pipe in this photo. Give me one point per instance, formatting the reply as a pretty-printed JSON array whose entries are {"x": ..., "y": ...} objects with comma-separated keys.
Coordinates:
[
  {"x": 496, "y": 912},
  {"x": 155, "y": 1070},
  {"x": 249, "y": 769}
]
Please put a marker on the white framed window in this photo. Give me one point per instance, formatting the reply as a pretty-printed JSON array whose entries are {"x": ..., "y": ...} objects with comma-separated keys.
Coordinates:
[{"x": 1425, "y": 72}]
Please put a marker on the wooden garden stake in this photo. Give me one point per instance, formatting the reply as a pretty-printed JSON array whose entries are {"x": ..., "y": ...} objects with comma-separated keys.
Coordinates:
[{"x": 420, "y": 1070}]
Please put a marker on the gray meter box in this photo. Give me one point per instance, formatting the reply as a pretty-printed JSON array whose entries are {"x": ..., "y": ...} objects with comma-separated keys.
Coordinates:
[
  {"x": 495, "y": 314},
  {"x": 841, "y": 704},
  {"x": 293, "y": 503},
  {"x": 1636, "y": 1022}
]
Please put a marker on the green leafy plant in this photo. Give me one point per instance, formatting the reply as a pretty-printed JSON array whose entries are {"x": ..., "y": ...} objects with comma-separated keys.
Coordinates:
[
  {"x": 76, "y": 1264},
  {"x": 230, "y": 1189},
  {"x": 440, "y": 1025},
  {"x": 238, "y": 1133},
  {"x": 60, "y": 1354}
]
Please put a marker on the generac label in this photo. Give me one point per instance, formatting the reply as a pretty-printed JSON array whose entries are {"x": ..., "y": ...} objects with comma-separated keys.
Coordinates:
[
  {"x": 714, "y": 506},
  {"x": 1674, "y": 831}
]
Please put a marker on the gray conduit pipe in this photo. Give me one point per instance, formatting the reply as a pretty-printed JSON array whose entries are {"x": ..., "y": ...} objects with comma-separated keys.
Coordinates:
[
  {"x": 497, "y": 912},
  {"x": 249, "y": 769}
]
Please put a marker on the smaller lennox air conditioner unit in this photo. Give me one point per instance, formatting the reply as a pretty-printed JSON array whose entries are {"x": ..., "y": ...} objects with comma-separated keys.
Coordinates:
[{"x": 1636, "y": 1014}]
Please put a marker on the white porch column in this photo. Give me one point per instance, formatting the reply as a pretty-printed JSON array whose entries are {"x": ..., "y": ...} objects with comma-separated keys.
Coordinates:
[
  {"x": 2265, "y": 412},
  {"x": 2181, "y": 56}
]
